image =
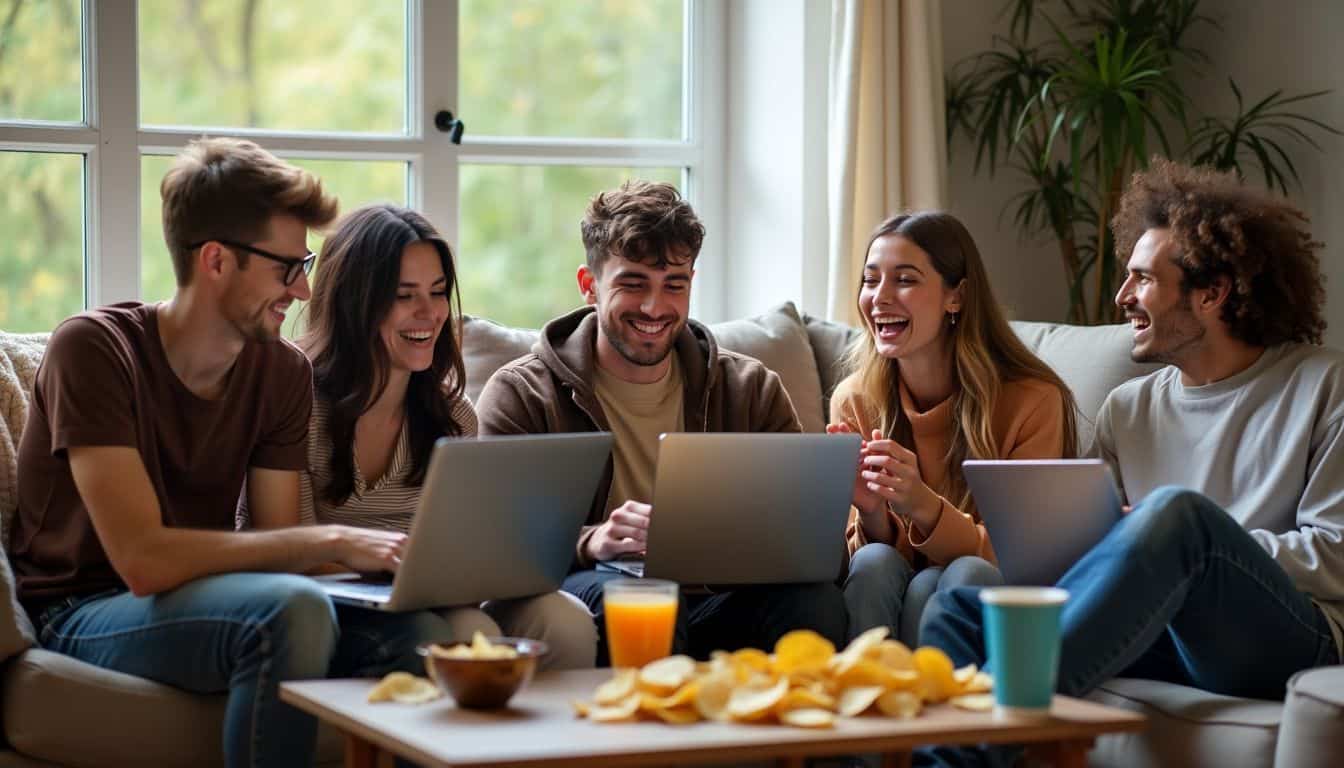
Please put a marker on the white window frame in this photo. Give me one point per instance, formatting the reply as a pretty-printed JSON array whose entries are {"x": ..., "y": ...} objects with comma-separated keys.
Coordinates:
[{"x": 113, "y": 142}]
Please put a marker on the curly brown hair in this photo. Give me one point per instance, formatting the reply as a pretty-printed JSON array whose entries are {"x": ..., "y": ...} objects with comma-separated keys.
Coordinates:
[
  {"x": 643, "y": 221},
  {"x": 1221, "y": 227}
]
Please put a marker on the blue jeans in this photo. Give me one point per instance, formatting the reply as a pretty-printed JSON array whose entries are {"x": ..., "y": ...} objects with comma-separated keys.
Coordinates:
[
  {"x": 242, "y": 633},
  {"x": 882, "y": 589},
  {"x": 1178, "y": 591},
  {"x": 749, "y": 616}
]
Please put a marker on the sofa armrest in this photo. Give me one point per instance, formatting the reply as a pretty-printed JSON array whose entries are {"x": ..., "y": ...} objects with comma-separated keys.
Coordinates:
[{"x": 1312, "y": 733}]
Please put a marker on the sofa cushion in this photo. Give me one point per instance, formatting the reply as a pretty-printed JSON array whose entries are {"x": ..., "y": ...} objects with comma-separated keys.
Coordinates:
[
  {"x": 16, "y": 631},
  {"x": 487, "y": 346},
  {"x": 122, "y": 720},
  {"x": 1092, "y": 360},
  {"x": 776, "y": 338},
  {"x": 1187, "y": 727},
  {"x": 830, "y": 342},
  {"x": 1312, "y": 734}
]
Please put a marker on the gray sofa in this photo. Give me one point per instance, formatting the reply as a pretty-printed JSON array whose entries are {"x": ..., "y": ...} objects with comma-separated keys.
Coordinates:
[{"x": 57, "y": 711}]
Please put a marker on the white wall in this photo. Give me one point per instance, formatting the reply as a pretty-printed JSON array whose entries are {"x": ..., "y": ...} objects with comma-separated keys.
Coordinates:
[
  {"x": 775, "y": 149},
  {"x": 1264, "y": 46}
]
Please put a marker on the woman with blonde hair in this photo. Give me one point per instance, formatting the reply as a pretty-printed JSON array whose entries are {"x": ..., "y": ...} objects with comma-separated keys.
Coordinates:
[{"x": 938, "y": 377}]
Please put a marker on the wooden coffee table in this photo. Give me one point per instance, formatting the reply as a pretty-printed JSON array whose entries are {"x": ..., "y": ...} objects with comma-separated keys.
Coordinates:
[{"x": 540, "y": 729}]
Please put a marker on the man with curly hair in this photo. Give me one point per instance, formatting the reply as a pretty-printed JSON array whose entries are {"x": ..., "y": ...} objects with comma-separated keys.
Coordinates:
[{"x": 1228, "y": 574}]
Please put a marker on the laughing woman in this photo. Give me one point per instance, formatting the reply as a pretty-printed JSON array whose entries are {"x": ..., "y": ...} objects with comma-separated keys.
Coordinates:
[
  {"x": 388, "y": 379},
  {"x": 939, "y": 376}
]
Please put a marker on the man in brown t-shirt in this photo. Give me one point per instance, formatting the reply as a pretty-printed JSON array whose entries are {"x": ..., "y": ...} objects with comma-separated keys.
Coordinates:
[{"x": 145, "y": 421}]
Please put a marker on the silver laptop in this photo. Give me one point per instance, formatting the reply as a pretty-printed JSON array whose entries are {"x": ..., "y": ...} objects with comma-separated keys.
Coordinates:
[
  {"x": 498, "y": 518},
  {"x": 1043, "y": 516},
  {"x": 731, "y": 508}
]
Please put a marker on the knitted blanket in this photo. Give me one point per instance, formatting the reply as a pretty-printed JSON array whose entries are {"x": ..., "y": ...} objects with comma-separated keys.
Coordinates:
[{"x": 19, "y": 357}]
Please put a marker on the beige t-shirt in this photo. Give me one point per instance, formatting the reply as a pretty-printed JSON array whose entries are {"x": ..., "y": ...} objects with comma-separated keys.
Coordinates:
[{"x": 638, "y": 414}]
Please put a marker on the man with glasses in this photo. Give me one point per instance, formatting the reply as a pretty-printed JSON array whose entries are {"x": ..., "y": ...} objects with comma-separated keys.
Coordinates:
[{"x": 145, "y": 421}]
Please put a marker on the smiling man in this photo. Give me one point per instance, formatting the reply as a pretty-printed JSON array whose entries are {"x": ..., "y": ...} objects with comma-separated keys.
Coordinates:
[
  {"x": 145, "y": 421},
  {"x": 634, "y": 364},
  {"x": 1228, "y": 575}
]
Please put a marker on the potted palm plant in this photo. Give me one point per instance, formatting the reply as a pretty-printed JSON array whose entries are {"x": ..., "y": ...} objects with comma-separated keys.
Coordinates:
[{"x": 1079, "y": 112}]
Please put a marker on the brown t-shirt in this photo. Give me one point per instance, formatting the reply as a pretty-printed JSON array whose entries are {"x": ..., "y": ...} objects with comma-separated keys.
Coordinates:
[{"x": 105, "y": 380}]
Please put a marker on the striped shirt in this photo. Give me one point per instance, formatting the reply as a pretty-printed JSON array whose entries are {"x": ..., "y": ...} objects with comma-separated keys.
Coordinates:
[{"x": 389, "y": 503}]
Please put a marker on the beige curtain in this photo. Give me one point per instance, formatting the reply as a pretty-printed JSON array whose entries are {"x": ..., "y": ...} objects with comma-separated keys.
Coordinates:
[{"x": 886, "y": 148}]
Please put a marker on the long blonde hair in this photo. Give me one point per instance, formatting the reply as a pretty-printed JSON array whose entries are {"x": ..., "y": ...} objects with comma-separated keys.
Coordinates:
[{"x": 986, "y": 353}]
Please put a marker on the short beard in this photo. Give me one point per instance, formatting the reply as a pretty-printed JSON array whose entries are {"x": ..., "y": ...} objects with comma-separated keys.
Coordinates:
[
  {"x": 631, "y": 354},
  {"x": 1175, "y": 354}
]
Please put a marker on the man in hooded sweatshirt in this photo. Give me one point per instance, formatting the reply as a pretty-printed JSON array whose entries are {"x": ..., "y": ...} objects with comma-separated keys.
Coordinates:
[{"x": 633, "y": 363}]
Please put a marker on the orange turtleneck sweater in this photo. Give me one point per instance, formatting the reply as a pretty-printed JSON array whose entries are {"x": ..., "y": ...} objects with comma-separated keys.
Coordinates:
[{"x": 1028, "y": 423}]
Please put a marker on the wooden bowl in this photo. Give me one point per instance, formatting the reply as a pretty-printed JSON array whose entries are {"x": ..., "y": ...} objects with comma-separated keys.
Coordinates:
[{"x": 485, "y": 683}]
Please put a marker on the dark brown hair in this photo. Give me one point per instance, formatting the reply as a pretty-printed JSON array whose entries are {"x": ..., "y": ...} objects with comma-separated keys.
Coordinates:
[
  {"x": 986, "y": 353},
  {"x": 642, "y": 221},
  {"x": 358, "y": 274},
  {"x": 1223, "y": 228},
  {"x": 230, "y": 188}
]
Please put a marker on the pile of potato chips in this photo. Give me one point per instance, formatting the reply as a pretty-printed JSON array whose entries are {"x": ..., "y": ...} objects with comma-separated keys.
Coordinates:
[{"x": 803, "y": 683}]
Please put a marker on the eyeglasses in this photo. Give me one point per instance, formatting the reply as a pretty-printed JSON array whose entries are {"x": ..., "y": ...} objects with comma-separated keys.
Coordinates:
[{"x": 292, "y": 265}]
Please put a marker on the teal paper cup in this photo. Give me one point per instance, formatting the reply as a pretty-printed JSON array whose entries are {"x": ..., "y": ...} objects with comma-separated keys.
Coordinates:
[{"x": 1022, "y": 638}]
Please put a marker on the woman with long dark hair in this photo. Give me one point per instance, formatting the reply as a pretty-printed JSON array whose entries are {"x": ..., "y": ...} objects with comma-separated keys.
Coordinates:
[
  {"x": 384, "y": 339},
  {"x": 938, "y": 377}
]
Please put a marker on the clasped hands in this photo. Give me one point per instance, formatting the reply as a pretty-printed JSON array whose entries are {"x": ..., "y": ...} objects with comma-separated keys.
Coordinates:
[{"x": 888, "y": 475}]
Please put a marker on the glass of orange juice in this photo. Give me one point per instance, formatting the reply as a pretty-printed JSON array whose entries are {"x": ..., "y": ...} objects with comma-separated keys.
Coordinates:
[{"x": 641, "y": 620}]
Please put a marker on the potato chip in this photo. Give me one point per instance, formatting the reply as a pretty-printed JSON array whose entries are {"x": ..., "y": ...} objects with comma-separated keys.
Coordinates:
[
  {"x": 980, "y": 682},
  {"x": 868, "y": 672},
  {"x": 405, "y": 688},
  {"x": 902, "y": 704},
  {"x": 683, "y": 696},
  {"x": 974, "y": 702},
  {"x": 581, "y": 708},
  {"x": 855, "y": 701},
  {"x": 678, "y": 715},
  {"x": 935, "y": 673},
  {"x": 666, "y": 675},
  {"x": 893, "y": 654},
  {"x": 711, "y": 698},
  {"x": 621, "y": 685},
  {"x": 805, "y": 698},
  {"x": 622, "y": 711},
  {"x": 802, "y": 650},
  {"x": 857, "y": 649},
  {"x": 753, "y": 703},
  {"x": 964, "y": 675},
  {"x": 753, "y": 659},
  {"x": 807, "y": 718}
]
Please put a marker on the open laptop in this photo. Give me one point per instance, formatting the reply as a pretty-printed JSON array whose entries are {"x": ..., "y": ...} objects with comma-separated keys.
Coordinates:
[
  {"x": 498, "y": 518},
  {"x": 732, "y": 508},
  {"x": 1043, "y": 515}
]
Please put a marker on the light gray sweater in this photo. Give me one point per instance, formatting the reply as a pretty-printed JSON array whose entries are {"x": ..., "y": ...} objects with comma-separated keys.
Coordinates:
[{"x": 1265, "y": 444}]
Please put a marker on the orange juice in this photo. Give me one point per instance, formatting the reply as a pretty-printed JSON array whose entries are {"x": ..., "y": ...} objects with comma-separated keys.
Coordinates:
[{"x": 640, "y": 626}]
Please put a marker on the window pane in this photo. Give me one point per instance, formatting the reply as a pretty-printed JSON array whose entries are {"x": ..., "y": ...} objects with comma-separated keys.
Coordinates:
[
  {"x": 41, "y": 239},
  {"x": 355, "y": 182},
  {"x": 299, "y": 65},
  {"x": 520, "y": 243},
  {"x": 582, "y": 68},
  {"x": 41, "y": 64}
]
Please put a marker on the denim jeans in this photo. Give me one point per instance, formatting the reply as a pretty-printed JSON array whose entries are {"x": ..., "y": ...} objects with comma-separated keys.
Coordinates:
[
  {"x": 753, "y": 616},
  {"x": 242, "y": 633},
  {"x": 882, "y": 589},
  {"x": 1178, "y": 591}
]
